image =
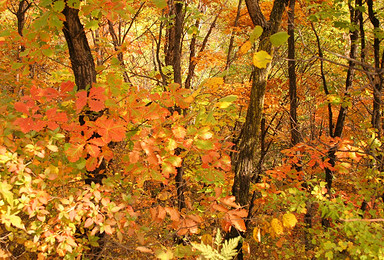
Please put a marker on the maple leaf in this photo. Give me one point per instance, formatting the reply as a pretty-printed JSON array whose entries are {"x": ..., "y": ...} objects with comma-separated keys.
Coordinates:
[
  {"x": 110, "y": 129},
  {"x": 96, "y": 99}
]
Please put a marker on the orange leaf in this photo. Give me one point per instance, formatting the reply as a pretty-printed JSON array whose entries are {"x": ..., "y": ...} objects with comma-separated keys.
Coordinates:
[
  {"x": 230, "y": 201},
  {"x": 74, "y": 152},
  {"x": 93, "y": 150},
  {"x": 175, "y": 216},
  {"x": 179, "y": 132},
  {"x": 110, "y": 129},
  {"x": 237, "y": 222},
  {"x": 81, "y": 100},
  {"x": 144, "y": 249},
  {"x": 96, "y": 99},
  {"x": 108, "y": 229}
]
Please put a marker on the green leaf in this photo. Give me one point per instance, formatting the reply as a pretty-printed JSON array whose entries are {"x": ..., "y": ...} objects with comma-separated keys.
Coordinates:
[
  {"x": 54, "y": 21},
  {"x": 160, "y": 3},
  {"x": 58, "y": 6},
  {"x": 47, "y": 52},
  {"x": 17, "y": 65},
  {"x": 261, "y": 59},
  {"x": 204, "y": 144},
  {"x": 229, "y": 98},
  {"x": 279, "y": 38},
  {"x": 256, "y": 33},
  {"x": 93, "y": 25}
]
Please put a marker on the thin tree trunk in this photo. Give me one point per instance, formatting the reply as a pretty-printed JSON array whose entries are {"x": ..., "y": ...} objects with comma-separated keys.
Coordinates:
[
  {"x": 232, "y": 39},
  {"x": 192, "y": 63},
  {"x": 120, "y": 55},
  {"x": 354, "y": 14},
  {"x": 295, "y": 135}
]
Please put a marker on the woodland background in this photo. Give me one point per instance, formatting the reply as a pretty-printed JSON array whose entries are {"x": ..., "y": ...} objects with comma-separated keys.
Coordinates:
[{"x": 191, "y": 129}]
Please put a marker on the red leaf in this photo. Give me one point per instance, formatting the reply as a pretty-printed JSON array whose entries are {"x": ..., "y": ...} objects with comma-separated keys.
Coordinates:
[
  {"x": 81, "y": 100},
  {"x": 21, "y": 107},
  {"x": 96, "y": 99},
  {"x": 25, "y": 124},
  {"x": 66, "y": 86}
]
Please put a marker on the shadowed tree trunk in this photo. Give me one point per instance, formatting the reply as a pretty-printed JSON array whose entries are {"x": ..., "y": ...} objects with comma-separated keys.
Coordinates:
[
  {"x": 295, "y": 135},
  {"x": 378, "y": 78}
]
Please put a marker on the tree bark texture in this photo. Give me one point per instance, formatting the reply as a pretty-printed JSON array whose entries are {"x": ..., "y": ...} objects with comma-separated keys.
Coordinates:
[
  {"x": 245, "y": 161},
  {"x": 82, "y": 62}
]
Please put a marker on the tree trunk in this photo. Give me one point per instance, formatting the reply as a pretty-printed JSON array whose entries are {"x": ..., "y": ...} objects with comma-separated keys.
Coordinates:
[
  {"x": 378, "y": 78},
  {"x": 83, "y": 65},
  {"x": 245, "y": 161}
]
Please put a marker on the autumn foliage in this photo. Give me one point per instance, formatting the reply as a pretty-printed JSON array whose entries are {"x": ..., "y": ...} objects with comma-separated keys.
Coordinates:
[{"x": 94, "y": 173}]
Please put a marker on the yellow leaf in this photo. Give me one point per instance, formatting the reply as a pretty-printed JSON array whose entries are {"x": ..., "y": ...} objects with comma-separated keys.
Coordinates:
[
  {"x": 277, "y": 228},
  {"x": 289, "y": 220},
  {"x": 261, "y": 59},
  {"x": 257, "y": 234}
]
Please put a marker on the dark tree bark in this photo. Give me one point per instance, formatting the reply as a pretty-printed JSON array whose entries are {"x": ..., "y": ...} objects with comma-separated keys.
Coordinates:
[
  {"x": 83, "y": 65},
  {"x": 173, "y": 47},
  {"x": 174, "y": 33},
  {"x": 354, "y": 14},
  {"x": 295, "y": 135}
]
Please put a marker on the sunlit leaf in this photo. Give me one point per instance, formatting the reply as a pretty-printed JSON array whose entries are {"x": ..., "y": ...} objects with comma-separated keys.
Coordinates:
[{"x": 261, "y": 59}]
